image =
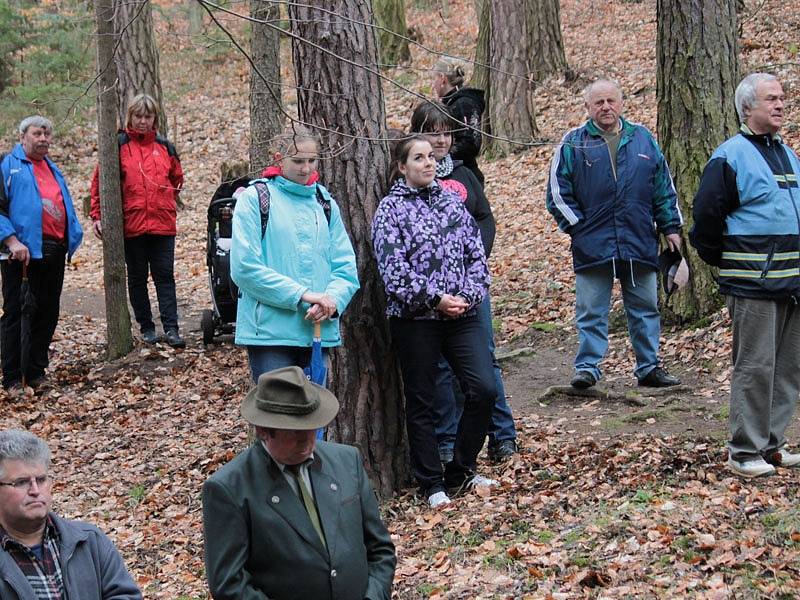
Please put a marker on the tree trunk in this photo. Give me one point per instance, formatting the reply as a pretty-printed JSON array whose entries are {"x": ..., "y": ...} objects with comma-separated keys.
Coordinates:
[
  {"x": 696, "y": 77},
  {"x": 480, "y": 74},
  {"x": 137, "y": 57},
  {"x": 266, "y": 116},
  {"x": 511, "y": 110},
  {"x": 544, "y": 39},
  {"x": 196, "y": 12},
  {"x": 391, "y": 15},
  {"x": 118, "y": 320},
  {"x": 366, "y": 378}
]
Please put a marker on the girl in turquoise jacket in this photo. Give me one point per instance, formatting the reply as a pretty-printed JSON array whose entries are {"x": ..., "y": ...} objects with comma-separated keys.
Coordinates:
[{"x": 301, "y": 271}]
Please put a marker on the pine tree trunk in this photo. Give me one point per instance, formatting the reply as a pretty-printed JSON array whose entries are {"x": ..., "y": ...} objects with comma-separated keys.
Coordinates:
[
  {"x": 366, "y": 378},
  {"x": 137, "y": 57},
  {"x": 196, "y": 12},
  {"x": 544, "y": 31},
  {"x": 118, "y": 320},
  {"x": 391, "y": 15},
  {"x": 511, "y": 110},
  {"x": 696, "y": 77},
  {"x": 480, "y": 74},
  {"x": 266, "y": 117}
]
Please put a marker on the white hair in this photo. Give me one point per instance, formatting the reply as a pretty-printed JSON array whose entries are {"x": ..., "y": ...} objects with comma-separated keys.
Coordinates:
[
  {"x": 16, "y": 444},
  {"x": 35, "y": 121},
  {"x": 746, "y": 97},
  {"x": 587, "y": 91}
]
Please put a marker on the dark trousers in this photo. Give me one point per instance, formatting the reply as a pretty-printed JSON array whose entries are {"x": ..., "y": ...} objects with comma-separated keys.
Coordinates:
[
  {"x": 419, "y": 345},
  {"x": 152, "y": 255},
  {"x": 45, "y": 278}
]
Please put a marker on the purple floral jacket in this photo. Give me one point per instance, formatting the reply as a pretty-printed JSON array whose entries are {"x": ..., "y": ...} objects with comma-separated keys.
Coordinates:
[{"x": 427, "y": 245}]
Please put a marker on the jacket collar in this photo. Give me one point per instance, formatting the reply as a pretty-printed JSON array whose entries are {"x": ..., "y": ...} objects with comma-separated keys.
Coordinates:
[
  {"x": 763, "y": 138},
  {"x": 147, "y": 137},
  {"x": 625, "y": 127}
]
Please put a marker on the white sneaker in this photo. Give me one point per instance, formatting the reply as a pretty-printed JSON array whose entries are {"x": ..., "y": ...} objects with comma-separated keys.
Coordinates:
[
  {"x": 784, "y": 458},
  {"x": 751, "y": 468},
  {"x": 481, "y": 481},
  {"x": 438, "y": 499}
]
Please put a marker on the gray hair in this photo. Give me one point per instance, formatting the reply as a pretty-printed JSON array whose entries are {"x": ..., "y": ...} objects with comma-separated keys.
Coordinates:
[
  {"x": 587, "y": 91},
  {"x": 35, "y": 121},
  {"x": 16, "y": 444},
  {"x": 745, "y": 97}
]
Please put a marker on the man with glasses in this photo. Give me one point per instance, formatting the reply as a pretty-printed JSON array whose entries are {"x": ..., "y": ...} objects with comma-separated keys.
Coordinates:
[{"x": 42, "y": 556}]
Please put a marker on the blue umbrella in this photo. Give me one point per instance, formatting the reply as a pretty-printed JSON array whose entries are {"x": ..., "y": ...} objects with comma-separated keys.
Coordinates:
[{"x": 317, "y": 371}]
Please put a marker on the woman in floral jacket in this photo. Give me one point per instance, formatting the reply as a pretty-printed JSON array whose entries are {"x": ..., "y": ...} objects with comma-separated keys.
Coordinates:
[{"x": 434, "y": 272}]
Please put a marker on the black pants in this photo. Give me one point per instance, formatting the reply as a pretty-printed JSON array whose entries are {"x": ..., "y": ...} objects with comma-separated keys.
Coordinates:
[
  {"x": 46, "y": 278},
  {"x": 145, "y": 255},
  {"x": 419, "y": 345}
]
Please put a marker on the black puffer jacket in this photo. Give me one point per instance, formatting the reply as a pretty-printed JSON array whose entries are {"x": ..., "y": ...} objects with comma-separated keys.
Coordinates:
[{"x": 467, "y": 105}]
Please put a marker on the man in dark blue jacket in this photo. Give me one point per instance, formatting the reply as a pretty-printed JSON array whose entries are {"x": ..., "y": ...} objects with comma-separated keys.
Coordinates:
[
  {"x": 38, "y": 229},
  {"x": 611, "y": 190},
  {"x": 746, "y": 222}
]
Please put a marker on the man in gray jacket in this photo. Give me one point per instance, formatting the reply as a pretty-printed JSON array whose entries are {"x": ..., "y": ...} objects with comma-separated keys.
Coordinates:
[{"x": 42, "y": 556}]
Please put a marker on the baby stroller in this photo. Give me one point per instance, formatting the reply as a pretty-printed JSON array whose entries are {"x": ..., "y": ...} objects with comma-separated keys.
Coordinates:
[{"x": 224, "y": 294}]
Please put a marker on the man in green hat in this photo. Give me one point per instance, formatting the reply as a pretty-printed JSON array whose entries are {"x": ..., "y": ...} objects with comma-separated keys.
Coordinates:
[{"x": 293, "y": 517}]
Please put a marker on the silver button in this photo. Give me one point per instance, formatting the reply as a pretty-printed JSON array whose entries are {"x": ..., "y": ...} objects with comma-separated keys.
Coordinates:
[
  {"x": 275, "y": 499},
  {"x": 334, "y": 487},
  {"x": 333, "y": 572}
]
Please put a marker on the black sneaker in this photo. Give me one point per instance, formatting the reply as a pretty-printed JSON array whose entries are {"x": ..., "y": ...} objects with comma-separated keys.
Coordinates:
[
  {"x": 659, "y": 378},
  {"x": 583, "y": 380},
  {"x": 173, "y": 338},
  {"x": 502, "y": 450},
  {"x": 151, "y": 337}
]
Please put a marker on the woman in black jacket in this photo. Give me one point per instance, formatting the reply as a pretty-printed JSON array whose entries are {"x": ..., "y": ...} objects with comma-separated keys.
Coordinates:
[
  {"x": 466, "y": 105},
  {"x": 434, "y": 122}
]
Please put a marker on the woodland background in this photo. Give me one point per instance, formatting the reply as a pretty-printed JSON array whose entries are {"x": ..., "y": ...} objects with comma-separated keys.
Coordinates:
[{"x": 134, "y": 438}]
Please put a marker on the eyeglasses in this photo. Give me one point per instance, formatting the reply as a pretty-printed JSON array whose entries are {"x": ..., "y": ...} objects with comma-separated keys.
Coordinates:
[{"x": 26, "y": 483}]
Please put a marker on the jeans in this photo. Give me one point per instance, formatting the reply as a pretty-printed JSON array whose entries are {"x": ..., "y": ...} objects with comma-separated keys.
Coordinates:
[
  {"x": 419, "y": 344},
  {"x": 765, "y": 382},
  {"x": 268, "y": 358},
  {"x": 152, "y": 255},
  {"x": 45, "y": 278},
  {"x": 450, "y": 398},
  {"x": 640, "y": 298}
]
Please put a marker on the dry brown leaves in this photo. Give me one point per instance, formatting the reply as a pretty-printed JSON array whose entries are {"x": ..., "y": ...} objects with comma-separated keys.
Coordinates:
[{"x": 576, "y": 518}]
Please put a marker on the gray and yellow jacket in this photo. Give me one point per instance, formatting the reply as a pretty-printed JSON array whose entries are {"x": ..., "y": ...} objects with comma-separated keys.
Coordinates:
[{"x": 747, "y": 217}]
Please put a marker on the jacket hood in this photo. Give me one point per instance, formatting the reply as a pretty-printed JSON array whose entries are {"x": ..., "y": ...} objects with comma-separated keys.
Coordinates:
[{"x": 473, "y": 94}]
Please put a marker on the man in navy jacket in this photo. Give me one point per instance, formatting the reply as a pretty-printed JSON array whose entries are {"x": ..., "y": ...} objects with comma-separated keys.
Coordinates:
[
  {"x": 747, "y": 223},
  {"x": 38, "y": 229},
  {"x": 611, "y": 190}
]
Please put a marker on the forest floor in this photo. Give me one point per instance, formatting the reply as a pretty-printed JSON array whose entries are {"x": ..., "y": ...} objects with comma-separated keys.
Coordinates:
[{"x": 614, "y": 494}]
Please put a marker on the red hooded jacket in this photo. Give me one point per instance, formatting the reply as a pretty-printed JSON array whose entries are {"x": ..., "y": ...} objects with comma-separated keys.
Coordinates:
[{"x": 152, "y": 177}]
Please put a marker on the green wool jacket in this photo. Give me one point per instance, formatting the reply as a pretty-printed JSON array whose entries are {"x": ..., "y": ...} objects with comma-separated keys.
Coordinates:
[{"x": 260, "y": 543}]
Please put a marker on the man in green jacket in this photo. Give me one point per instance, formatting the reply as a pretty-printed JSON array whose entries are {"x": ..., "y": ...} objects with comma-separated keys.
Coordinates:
[{"x": 292, "y": 517}]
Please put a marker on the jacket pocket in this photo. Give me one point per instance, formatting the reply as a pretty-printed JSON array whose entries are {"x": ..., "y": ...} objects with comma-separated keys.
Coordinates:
[{"x": 768, "y": 262}]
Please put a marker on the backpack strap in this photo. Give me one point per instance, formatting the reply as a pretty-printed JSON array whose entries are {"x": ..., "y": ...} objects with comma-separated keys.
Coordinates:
[
  {"x": 263, "y": 203},
  {"x": 326, "y": 205}
]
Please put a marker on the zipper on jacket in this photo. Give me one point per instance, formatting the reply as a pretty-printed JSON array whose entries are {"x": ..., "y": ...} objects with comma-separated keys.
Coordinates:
[
  {"x": 611, "y": 158},
  {"x": 779, "y": 153},
  {"x": 768, "y": 264}
]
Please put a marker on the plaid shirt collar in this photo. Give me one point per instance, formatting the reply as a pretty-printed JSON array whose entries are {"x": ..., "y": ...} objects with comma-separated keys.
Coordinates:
[{"x": 44, "y": 576}]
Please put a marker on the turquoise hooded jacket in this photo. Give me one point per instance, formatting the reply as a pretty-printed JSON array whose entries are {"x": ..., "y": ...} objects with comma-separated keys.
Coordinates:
[{"x": 299, "y": 252}]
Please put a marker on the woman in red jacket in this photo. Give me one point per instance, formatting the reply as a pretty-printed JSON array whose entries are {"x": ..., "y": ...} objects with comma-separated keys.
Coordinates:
[{"x": 151, "y": 178}]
